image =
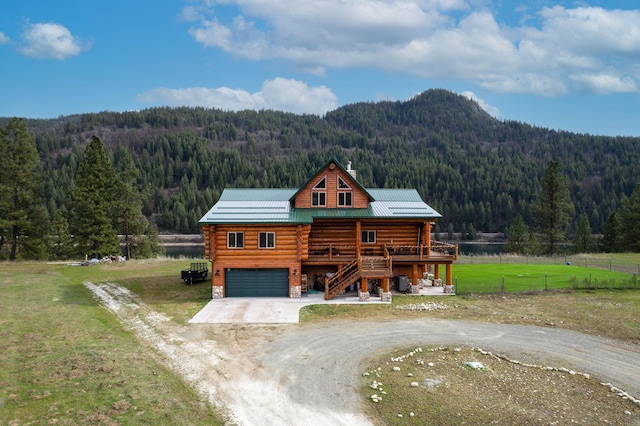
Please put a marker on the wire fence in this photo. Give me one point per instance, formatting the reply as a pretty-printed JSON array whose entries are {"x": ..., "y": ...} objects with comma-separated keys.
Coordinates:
[
  {"x": 614, "y": 263},
  {"x": 536, "y": 282}
]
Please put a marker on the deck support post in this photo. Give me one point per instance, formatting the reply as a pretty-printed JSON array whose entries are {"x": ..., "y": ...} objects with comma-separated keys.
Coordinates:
[{"x": 436, "y": 271}]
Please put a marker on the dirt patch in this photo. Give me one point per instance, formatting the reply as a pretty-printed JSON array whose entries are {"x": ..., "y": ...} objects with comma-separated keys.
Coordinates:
[{"x": 311, "y": 373}]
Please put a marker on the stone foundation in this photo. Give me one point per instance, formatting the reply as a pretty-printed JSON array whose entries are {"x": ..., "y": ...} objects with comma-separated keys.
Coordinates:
[
  {"x": 386, "y": 297},
  {"x": 437, "y": 282},
  {"x": 448, "y": 289},
  {"x": 363, "y": 296},
  {"x": 414, "y": 289},
  {"x": 217, "y": 292},
  {"x": 295, "y": 292}
]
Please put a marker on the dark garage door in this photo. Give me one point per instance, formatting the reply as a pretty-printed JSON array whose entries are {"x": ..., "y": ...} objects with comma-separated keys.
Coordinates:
[{"x": 257, "y": 283}]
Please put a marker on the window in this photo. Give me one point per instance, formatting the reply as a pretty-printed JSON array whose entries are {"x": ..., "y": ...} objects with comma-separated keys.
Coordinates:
[
  {"x": 344, "y": 199},
  {"x": 235, "y": 240},
  {"x": 267, "y": 240},
  {"x": 318, "y": 199},
  {"x": 322, "y": 184},
  {"x": 368, "y": 237},
  {"x": 342, "y": 184}
]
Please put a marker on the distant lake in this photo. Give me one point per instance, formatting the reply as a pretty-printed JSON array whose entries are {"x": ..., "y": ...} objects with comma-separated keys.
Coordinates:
[
  {"x": 196, "y": 251},
  {"x": 189, "y": 251}
]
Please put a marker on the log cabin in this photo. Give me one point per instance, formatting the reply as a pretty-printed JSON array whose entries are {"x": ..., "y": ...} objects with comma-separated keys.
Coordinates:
[{"x": 331, "y": 234}]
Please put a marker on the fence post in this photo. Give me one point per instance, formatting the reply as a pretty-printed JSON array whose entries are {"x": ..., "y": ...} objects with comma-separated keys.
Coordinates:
[
  {"x": 502, "y": 284},
  {"x": 610, "y": 265},
  {"x": 545, "y": 282}
]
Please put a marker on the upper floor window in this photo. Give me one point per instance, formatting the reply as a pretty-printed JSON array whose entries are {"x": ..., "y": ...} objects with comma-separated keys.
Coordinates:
[
  {"x": 342, "y": 184},
  {"x": 235, "y": 240},
  {"x": 368, "y": 237},
  {"x": 318, "y": 199},
  {"x": 345, "y": 199},
  {"x": 322, "y": 184},
  {"x": 267, "y": 240}
]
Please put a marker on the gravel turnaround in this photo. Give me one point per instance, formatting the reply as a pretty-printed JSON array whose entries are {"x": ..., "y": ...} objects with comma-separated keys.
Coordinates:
[
  {"x": 320, "y": 365},
  {"x": 309, "y": 374}
]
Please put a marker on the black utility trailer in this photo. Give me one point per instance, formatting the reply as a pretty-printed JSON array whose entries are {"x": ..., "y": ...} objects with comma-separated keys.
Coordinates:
[{"x": 197, "y": 271}]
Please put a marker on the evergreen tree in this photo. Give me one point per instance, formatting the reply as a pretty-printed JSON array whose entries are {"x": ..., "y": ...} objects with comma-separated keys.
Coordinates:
[
  {"x": 23, "y": 218},
  {"x": 92, "y": 205},
  {"x": 59, "y": 241},
  {"x": 583, "y": 240},
  {"x": 630, "y": 219},
  {"x": 552, "y": 207},
  {"x": 139, "y": 237},
  {"x": 517, "y": 237},
  {"x": 612, "y": 234}
]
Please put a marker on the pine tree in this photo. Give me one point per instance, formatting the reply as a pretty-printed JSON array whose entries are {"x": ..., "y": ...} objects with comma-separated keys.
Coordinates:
[
  {"x": 92, "y": 206},
  {"x": 517, "y": 237},
  {"x": 583, "y": 240},
  {"x": 139, "y": 236},
  {"x": 59, "y": 241},
  {"x": 552, "y": 207},
  {"x": 630, "y": 219},
  {"x": 23, "y": 218},
  {"x": 612, "y": 234}
]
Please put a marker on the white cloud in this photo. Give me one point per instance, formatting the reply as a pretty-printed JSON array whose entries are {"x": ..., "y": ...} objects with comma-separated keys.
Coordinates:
[
  {"x": 492, "y": 111},
  {"x": 3, "y": 38},
  {"x": 50, "y": 41},
  {"x": 551, "y": 52},
  {"x": 277, "y": 94}
]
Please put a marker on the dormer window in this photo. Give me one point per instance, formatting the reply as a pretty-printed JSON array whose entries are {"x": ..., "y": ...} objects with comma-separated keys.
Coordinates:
[{"x": 319, "y": 198}]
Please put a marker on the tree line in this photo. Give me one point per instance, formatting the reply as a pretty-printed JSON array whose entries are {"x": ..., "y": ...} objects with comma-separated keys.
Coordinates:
[
  {"x": 479, "y": 172},
  {"x": 101, "y": 203}
]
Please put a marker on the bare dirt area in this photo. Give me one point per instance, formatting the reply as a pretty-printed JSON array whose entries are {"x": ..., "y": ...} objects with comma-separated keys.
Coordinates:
[{"x": 312, "y": 373}]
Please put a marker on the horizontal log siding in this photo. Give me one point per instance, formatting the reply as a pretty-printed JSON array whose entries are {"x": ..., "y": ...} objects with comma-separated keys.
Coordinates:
[
  {"x": 359, "y": 198},
  {"x": 341, "y": 235},
  {"x": 404, "y": 234},
  {"x": 287, "y": 246}
]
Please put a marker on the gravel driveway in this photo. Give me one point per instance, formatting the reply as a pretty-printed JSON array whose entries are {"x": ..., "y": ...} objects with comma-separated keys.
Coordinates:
[{"x": 308, "y": 374}]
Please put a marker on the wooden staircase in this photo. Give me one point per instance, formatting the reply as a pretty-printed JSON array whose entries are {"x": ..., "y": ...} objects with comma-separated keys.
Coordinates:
[{"x": 361, "y": 267}]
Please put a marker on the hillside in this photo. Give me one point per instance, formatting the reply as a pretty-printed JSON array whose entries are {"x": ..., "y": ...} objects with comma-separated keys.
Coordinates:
[{"x": 477, "y": 171}]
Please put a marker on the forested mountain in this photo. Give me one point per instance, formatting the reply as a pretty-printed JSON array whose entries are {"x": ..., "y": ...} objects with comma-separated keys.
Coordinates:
[{"x": 477, "y": 171}]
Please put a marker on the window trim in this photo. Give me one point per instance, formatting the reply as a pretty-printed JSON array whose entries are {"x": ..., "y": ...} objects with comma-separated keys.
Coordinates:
[
  {"x": 317, "y": 202},
  {"x": 322, "y": 183},
  {"x": 266, "y": 234},
  {"x": 342, "y": 184},
  {"x": 235, "y": 234},
  {"x": 344, "y": 195},
  {"x": 368, "y": 233}
]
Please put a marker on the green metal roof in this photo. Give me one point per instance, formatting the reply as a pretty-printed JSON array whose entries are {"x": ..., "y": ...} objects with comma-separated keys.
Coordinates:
[{"x": 273, "y": 206}]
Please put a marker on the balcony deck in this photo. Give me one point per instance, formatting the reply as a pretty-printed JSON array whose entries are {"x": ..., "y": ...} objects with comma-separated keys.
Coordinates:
[{"x": 335, "y": 254}]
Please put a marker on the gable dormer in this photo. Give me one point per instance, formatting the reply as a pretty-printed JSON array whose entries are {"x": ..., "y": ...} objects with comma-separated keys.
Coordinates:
[{"x": 332, "y": 187}]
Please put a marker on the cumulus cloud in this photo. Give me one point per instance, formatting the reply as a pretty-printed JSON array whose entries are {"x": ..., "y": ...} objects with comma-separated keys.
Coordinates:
[
  {"x": 3, "y": 38},
  {"x": 552, "y": 52},
  {"x": 278, "y": 94},
  {"x": 50, "y": 41}
]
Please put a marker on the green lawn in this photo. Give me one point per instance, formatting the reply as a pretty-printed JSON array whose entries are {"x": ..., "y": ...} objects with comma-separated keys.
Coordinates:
[
  {"x": 66, "y": 360},
  {"x": 496, "y": 278}
]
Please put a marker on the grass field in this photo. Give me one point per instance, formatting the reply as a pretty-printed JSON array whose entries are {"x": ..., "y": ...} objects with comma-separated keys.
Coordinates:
[
  {"x": 497, "y": 278},
  {"x": 66, "y": 360}
]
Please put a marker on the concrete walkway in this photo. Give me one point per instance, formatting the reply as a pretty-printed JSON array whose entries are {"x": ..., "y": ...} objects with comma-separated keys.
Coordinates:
[{"x": 278, "y": 310}]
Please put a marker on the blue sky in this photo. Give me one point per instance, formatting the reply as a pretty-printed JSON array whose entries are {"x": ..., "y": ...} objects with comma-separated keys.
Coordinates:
[{"x": 571, "y": 65}]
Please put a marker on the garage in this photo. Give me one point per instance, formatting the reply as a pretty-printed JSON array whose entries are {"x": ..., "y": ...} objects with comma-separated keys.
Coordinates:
[{"x": 257, "y": 283}]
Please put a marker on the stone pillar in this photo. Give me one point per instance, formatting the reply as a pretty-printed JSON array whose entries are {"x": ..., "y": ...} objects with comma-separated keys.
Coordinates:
[
  {"x": 217, "y": 292},
  {"x": 386, "y": 296},
  {"x": 295, "y": 291},
  {"x": 363, "y": 296}
]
